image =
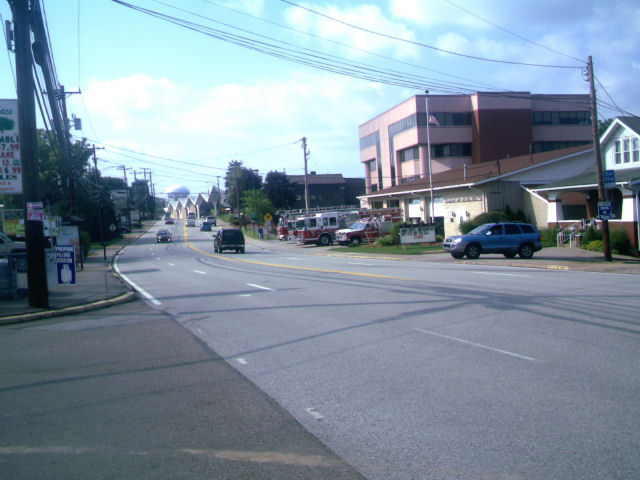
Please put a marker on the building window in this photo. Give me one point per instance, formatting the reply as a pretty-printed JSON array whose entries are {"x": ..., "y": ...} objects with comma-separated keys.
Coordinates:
[
  {"x": 561, "y": 118},
  {"x": 374, "y": 187},
  {"x": 369, "y": 140},
  {"x": 636, "y": 150},
  {"x": 452, "y": 119},
  {"x": 539, "y": 147},
  {"x": 410, "y": 179},
  {"x": 626, "y": 151},
  {"x": 394, "y": 203},
  {"x": 617, "y": 152},
  {"x": 409, "y": 154},
  {"x": 372, "y": 165},
  {"x": 451, "y": 150}
]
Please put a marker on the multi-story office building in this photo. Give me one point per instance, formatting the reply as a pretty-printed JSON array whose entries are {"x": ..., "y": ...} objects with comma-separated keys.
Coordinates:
[{"x": 465, "y": 130}]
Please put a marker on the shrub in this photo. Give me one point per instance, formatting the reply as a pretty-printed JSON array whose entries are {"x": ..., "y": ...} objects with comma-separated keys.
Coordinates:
[
  {"x": 590, "y": 235},
  {"x": 594, "y": 246},
  {"x": 386, "y": 240},
  {"x": 549, "y": 237},
  {"x": 489, "y": 217},
  {"x": 620, "y": 242}
]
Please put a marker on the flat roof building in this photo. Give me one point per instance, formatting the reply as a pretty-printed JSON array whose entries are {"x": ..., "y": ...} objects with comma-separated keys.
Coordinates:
[{"x": 465, "y": 130}]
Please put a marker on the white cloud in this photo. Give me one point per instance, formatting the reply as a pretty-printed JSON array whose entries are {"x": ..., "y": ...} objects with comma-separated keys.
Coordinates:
[
  {"x": 369, "y": 17},
  {"x": 213, "y": 126}
]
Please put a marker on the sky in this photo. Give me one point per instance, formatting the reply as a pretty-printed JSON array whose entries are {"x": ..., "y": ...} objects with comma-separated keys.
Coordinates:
[{"x": 183, "y": 102}]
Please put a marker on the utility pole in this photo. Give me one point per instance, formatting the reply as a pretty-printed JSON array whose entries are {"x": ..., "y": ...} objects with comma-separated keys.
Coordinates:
[
  {"x": 218, "y": 198},
  {"x": 95, "y": 168},
  {"x": 126, "y": 191},
  {"x": 38, "y": 293},
  {"x": 306, "y": 182},
  {"x": 596, "y": 147},
  {"x": 62, "y": 95}
]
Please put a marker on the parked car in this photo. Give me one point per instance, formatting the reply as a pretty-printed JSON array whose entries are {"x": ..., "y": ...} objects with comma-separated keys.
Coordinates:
[
  {"x": 163, "y": 236},
  {"x": 191, "y": 222},
  {"x": 9, "y": 246},
  {"x": 211, "y": 219},
  {"x": 228, "y": 239},
  {"x": 507, "y": 238},
  {"x": 169, "y": 221},
  {"x": 205, "y": 227}
]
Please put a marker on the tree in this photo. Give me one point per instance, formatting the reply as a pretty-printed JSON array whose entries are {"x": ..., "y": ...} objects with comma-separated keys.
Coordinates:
[
  {"x": 238, "y": 180},
  {"x": 603, "y": 125},
  {"x": 279, "y": 190},
  {"x": 256, "y": 205}
]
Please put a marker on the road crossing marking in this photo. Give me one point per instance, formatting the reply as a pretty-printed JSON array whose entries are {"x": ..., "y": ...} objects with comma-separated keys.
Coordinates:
[
  {"x": 260, "y": 287},
  {"x": 314, "y": 413},
  {"x": 479, "y": 345}
]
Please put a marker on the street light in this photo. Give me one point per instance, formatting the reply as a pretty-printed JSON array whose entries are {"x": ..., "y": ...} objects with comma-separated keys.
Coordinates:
[{"x": 426, "y": 104}]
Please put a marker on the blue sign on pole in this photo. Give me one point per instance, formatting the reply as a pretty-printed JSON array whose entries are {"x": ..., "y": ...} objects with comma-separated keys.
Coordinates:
[
  {"x": 66, "y": 264},
  {"x": 604, "y": 211},
  {"x": 609, "y": 178}
]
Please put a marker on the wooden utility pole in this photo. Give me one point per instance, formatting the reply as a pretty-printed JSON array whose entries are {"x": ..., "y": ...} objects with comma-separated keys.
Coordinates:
[
  {"x": 596, "y": 148},
  {"x": 38, "y": 293},
  {"x": 306, "y": 183},
  {"x": 95, "y": 168},
  {"x": 126, "y": 191}
]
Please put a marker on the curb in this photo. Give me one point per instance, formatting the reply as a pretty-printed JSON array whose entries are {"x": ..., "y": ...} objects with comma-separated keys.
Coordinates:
[{"x": 29, "y": 317}]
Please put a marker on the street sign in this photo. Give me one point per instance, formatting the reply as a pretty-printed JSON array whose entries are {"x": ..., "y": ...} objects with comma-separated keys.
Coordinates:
[
  {"x": 268, "y": 217},
  {"x": 604, "y": 211},
  {"x": 609, "y": 178},
  {"x": 35, "y": 211}
]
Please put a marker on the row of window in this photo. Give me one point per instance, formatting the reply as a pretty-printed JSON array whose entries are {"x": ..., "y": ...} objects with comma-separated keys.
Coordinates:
[
  {"x": 370, "y": 140},
  {"x": 561, "y": 118},
  {"x": 451, "y": 150},
  {"x": 627, "y": 150},
  {"x": 437, "y": 151},
  {"x": 409, "y": 154},
  {"x": 458, "y": 119},
  {"x": 539, "y": 147}
]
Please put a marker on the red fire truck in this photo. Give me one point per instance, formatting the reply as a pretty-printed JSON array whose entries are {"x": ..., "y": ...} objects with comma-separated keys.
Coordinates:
[{"x": 321, "y": 227}]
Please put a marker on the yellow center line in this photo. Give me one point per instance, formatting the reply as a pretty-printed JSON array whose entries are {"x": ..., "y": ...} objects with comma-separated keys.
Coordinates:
[{"x": 291, "y": 267}]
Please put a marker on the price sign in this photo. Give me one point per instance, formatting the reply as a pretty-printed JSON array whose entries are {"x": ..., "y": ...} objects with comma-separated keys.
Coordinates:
[{"x": 10, "y": 161}]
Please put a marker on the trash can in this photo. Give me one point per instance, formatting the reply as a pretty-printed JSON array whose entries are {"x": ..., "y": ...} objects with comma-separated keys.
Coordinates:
[{"x": 260, "y": 233}]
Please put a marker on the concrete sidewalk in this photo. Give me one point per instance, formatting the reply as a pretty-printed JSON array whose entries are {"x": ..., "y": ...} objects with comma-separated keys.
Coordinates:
[{"x": 96, "y": 287}]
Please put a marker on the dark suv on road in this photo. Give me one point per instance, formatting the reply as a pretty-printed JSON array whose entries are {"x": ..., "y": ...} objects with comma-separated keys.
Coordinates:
[
  {"x": 228, "y": 239},
  {"x": 510, "y": 239}
]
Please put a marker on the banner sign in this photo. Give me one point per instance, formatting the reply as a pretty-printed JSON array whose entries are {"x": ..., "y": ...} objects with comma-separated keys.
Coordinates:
[
  {"x": 66, "y": 264},
  {"x": 10, "y": 161},
  {"x": 418, "y": 235}
]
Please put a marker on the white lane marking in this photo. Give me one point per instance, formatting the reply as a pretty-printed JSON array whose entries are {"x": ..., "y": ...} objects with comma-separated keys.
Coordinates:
[
  {"x": 361, "y": 264},
  {"x": 502, "y": 274},
  {"x": 479, "y": 345},
  {"x": 314, "y": 413},
  {"x": 134, "y": 285},
  {"x": 172, "y": 264},
  {"x": 200, "y": 272},
  {"x": 242, "y": 361},
  {"x": 260, "y": 287},
  {"x": 245, "y": 295}
]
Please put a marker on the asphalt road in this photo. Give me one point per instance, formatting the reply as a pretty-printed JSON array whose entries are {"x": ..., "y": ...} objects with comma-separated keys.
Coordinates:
[{"x": 420, "y": 370}]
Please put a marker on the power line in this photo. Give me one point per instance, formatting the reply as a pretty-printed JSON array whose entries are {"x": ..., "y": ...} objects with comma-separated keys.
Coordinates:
[
  {"x": 309, "y": 57},
  {"x": 512, "y": 33},
  {"x": 419, "y": 44},
  {"x": 344, "y": 45}
]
